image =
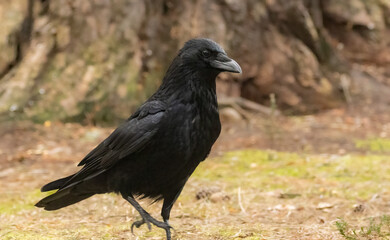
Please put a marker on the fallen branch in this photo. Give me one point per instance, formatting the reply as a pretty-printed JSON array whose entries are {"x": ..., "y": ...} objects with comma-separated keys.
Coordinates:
[{"x": 247, "y": 105}]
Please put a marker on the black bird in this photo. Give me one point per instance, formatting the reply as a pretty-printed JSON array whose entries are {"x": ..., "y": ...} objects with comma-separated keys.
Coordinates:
[{"x": 155, "y": 151}]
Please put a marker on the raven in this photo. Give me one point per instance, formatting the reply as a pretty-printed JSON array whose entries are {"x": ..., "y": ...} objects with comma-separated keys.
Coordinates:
[{"x": 154, "y": 152}]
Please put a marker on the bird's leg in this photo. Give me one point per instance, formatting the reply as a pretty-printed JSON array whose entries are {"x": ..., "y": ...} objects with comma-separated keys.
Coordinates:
[
  {"x": 167, "y": 207},
  {"x": 146, "y": 218},
  {"x": 165, "y": 212}
]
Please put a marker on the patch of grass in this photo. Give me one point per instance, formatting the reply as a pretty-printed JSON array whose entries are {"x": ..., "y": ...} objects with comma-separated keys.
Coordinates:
[
  {"x": 233, "y": 232},
  {"x": 352, "y": 176},
  {"x": 252, "y": 168},
  {"x": 377, "y": 229},
  {"x": 14, "y": 203},
  {"x": 14, "y": 235},
  {"x": 261, "y": 175},
  {"x": 374, "y": 144}
]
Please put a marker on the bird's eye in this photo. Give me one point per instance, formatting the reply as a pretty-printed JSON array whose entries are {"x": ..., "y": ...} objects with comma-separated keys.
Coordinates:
[{"x": 206, "y": 53}]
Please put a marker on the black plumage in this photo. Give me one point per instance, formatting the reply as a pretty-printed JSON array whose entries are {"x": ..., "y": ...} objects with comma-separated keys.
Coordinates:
[{"x": 155, "y": 151}]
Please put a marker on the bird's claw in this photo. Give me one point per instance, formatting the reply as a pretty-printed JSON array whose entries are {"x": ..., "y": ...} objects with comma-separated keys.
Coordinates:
[
  {"x": 139, "y": 223},
  {"x": 148, "y": 220}
]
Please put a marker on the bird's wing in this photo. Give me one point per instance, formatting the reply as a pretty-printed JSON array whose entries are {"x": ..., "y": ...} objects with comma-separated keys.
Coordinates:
[{"x": 128, "y": 138}]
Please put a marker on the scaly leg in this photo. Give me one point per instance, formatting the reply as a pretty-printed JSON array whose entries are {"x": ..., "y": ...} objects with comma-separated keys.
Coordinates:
[
  {"x": 146, "y": 218},
  {"x": 169, "y": 200}
]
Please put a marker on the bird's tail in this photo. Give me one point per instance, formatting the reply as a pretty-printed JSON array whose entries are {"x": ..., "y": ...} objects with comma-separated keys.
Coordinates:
[
  {"x": 56, "y": 184},
  {"x": 62, "y": 198}
]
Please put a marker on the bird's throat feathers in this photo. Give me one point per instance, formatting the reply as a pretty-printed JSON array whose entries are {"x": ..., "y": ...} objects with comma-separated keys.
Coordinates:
[{"x": 181, "y": 77}]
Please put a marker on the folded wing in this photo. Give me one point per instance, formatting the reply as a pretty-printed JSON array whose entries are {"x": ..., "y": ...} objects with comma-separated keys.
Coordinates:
[{"x": 128, "y": 138}]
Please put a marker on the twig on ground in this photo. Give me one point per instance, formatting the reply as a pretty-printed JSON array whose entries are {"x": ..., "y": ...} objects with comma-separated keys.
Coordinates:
[{"x": 239, "y": 200}]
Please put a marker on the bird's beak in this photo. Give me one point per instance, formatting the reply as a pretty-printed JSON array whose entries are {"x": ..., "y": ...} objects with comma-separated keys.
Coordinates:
[{"x": 224, "y": 63}]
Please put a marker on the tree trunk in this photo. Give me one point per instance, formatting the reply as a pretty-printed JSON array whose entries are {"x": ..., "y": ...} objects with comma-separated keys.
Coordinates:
[{"x": 96, "y": 60}]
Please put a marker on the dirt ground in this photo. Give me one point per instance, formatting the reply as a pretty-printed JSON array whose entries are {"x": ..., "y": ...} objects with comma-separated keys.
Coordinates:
[{"x": 268, "y": 177}]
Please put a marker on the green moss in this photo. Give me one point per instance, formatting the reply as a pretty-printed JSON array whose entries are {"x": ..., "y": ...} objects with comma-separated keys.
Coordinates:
[
  {"x": 14, "y": 203},
  {"x": 17, "y": 235},
  {"x": 357, "y": 176},
  {"x": 10, "y": 207},
  {"x": 374, "y": 144},
  {"x": 233, "y": 232},
  {"x": 254, "y": 168}
]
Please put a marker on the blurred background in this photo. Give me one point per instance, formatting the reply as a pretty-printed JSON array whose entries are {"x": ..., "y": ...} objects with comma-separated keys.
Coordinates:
[{"x": 315, "y": 85}]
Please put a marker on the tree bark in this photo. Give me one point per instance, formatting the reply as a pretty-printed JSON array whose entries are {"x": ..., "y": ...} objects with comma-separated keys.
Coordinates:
[{"x": 96, "y": 60}]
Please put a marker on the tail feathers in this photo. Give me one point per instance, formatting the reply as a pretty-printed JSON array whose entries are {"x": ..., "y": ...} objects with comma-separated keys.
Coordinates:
[
  {"x": 62, "y": 199},
  {"x": 56, "y": 184}
]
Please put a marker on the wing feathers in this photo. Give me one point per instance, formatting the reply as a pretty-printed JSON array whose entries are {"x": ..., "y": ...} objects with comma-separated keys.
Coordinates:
[{"x": 128, "y": 138}]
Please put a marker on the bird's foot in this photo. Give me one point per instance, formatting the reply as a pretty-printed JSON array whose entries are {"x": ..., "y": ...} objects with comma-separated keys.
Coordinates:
[
  {"x": 139, "y": 223},
  {"x": 146, "y": 218}
]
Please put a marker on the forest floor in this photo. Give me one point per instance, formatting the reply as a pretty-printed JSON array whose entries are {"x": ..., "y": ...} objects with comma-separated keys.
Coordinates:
[{"x": 323, "y": 176}]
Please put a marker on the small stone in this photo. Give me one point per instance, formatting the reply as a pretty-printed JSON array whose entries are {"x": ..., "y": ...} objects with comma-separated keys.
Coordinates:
[
  {"x": 324, "y": 205},
  {"x": 358, "y": 208},
  {"x": 219, "y": 197}
]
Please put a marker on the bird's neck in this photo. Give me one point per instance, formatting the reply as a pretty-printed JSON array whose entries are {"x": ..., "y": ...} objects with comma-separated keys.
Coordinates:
[{"x": 191, "y": 85}]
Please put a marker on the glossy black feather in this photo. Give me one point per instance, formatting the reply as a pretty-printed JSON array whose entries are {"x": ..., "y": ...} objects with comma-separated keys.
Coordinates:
[{"x": 155, "y": 151}]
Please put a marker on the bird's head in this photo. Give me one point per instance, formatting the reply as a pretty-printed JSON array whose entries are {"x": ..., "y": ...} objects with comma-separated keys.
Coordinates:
[{"x": 205, "y": 54}]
